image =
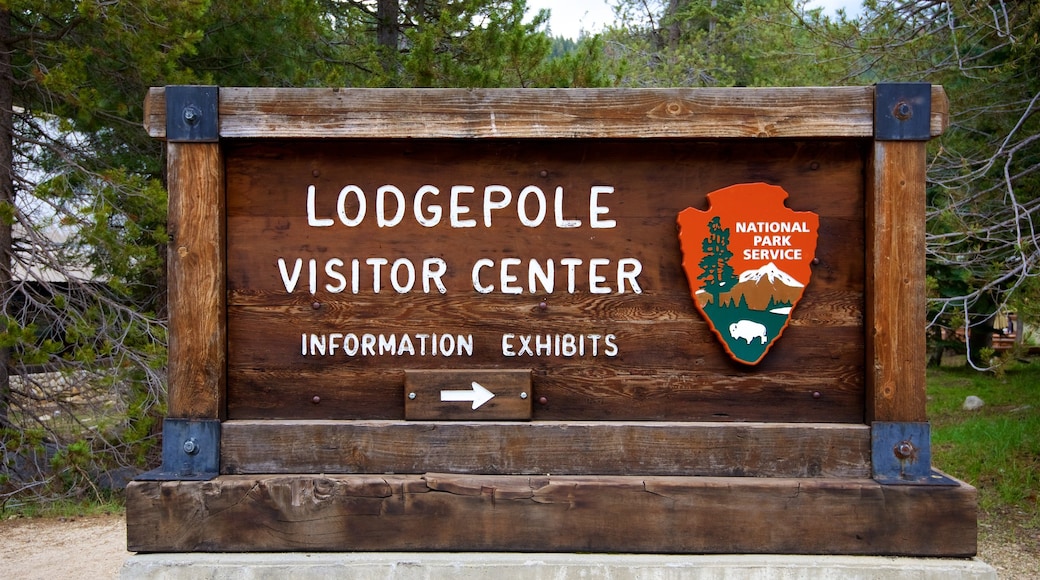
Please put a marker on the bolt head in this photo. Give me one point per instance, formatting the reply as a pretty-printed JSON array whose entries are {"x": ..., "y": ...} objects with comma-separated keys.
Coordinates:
[
  {"x": 905, "y": 450},
  {"x": 903, "y": 111},
  {"x": 191, "y": 447},
  {"x": 191, "y": 115}
]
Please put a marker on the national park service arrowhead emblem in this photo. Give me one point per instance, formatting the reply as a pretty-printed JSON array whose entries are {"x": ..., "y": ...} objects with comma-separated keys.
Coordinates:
[{"x": 748, "y": 260}]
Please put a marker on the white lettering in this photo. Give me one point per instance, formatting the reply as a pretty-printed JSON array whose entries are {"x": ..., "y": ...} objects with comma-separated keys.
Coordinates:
[
  {"x": 331, "y": 272},
  {"x": 786, "y": 254},
  {"x": 559, "y": 345},
  {"x": 521, "y": 206},
  {"x": 290, "y": 281},
  {"x": 433, "y": 271},
  {"x": 571, "y": 264},
  {"x": 381, "y": 220},
  {"x": 456, "y": 209},
  {"x": 435, "y": 210},
  {"x": 560, "y": 222},
  {"x": 595, "y": 279},
  {"x": 508, "y": 279},
  {"x": 387, "y": 344},
  {"x": 482, "y": 263},
  {"x": 547, "y": 277},
  {"x": 405, "y": 346},
  {"x": 531, "y": 207},
  {"x": 312, "y": 269},
  {"x": 395, "y": 275},
  {"x": 489, "y": 204},
  {"x": 318, "y": 344},
  {"x": 772, "y": 227},
  {"x": 376, "y": 264},
  {"x": 351, "y": 344},
  {"x": 367, "y": 344},
  {"x": 596, "y": 210},
  {"x": 628, "y": 270},
  {"x": 311, "y": 219},
  {"x": 341, "y": 206},
  {"x": 355, "y": 276}
]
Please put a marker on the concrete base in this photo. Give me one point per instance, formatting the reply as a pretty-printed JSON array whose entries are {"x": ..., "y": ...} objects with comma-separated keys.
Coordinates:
[{"x": 512, "y": 566}]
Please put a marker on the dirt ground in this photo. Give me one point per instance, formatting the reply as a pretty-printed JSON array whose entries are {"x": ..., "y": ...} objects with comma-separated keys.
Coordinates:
[
  {"x": 95, "y": 547},
  {"x": 59, "y": 548}
]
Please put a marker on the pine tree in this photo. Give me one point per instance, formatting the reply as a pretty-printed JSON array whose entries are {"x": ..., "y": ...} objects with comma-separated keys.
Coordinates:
[{"x": 716, "y": 272}]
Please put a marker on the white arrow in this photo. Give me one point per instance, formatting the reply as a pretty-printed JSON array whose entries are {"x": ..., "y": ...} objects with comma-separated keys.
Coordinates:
[{"x": 478, "y": 395}]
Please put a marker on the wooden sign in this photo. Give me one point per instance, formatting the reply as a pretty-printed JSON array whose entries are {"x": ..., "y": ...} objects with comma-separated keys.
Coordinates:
[
  {"x": 467, "y": 395},
  {"x": 463, "y": 320},
  {"x": 351, "y": 262}
]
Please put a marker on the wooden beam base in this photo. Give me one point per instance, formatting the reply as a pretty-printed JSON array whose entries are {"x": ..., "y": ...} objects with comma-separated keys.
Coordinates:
[
  {"x": 540, "y": 447},
  {"x": 441, "y": 512}
]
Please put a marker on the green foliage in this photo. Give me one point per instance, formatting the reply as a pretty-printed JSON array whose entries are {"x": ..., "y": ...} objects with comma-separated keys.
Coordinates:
[
  {"x": 89, "y": 200},
  {"x": 461, "y": 43},
  {"x": 984, "y": 176},
  {"x": 995, "y": 448},
  {"x": 726, "y": 43}
]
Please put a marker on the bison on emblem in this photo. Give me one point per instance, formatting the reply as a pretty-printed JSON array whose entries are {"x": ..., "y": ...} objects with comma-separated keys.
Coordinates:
[{"x": 748, "y": 330}]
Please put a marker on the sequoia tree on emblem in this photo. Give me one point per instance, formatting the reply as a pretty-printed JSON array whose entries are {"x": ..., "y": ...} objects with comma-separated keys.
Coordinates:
[{"x": 748, "y": 260}]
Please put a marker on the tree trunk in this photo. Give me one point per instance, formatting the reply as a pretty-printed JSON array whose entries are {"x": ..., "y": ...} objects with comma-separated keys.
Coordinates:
[
  {"x": 387, "y": 28},
  {"x": 6, "y": 201},
  {"x": 388, "y": 31},
  {"x": 670, "y": 23},
  {"x": 980, "y": 337}
]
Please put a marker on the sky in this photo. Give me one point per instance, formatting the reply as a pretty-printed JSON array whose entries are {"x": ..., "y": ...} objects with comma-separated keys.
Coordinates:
[{"x": 572, "y": 16}]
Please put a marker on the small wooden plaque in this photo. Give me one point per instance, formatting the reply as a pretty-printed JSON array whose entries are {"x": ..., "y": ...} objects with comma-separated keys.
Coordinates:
[{"x": 467, "y": 395}]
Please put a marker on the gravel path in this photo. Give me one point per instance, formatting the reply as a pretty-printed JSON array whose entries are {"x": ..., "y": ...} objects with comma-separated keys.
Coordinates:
[{"x": 95, "y": 548}]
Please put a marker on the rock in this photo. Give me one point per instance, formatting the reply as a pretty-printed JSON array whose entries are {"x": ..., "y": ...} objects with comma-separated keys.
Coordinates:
[{"x": 973, "y": 403}]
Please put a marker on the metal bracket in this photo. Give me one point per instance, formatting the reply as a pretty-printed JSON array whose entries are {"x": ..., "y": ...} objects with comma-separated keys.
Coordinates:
[
  {"x": 901, "y": 454},
  {"x": 190, "y": 451},
  {"x": 191, "y": 114},
  {"x": 903, "y": 111}
]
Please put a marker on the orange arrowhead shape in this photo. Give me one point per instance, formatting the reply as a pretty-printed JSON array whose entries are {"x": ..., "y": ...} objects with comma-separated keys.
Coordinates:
[{"x": 747, "y": 260}]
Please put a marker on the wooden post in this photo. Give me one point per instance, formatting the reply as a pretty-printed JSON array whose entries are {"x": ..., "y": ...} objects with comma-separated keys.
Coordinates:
[
  {"x": 198, "y": 345},
  {"x": 895, "y": 388}
]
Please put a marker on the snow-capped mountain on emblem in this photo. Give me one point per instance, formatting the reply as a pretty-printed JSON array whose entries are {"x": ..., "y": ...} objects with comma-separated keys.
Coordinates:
[
  {"x": 759, "y": 288},
  {"x": 771, "y": 273},
  {"x": 749, "y": 230}
]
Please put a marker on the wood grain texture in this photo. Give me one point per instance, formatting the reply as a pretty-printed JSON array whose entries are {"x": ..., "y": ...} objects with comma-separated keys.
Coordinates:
[
  {"x": 896, "y": 301},
  {"x": 571, "y": 448},
  {"x": 550, "y": 514},
  {"x": 539, "y": 113},
  {"x": 197, "y": 281},
  {"x": 669, "y": 366}
]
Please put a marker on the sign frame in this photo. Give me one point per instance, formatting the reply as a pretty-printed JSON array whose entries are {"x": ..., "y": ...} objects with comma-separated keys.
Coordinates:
[{"x": 690, "y": 479}]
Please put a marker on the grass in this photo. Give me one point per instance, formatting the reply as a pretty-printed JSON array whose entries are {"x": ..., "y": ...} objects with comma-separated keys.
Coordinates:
[
  {"x": 66, "y": 508},
  {"x": 995, "y": 448}
]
